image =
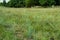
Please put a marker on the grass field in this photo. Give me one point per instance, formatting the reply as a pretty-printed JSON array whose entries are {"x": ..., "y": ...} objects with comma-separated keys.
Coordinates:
[{"x": 29, "y": 23}]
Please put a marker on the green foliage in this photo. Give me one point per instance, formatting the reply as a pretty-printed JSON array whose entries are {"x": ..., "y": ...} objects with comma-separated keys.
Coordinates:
[
  {"x": 1, "y": 4},
  {"x": 36, "y": 2},
  {"x": 27, "y": 3},
  {"x": 4, "y": 2},
  {"x": 57, "y": 2},
  {"x": 30, "y": 3},
  {"x": 50, "y": 2},
  {"x": 16, "y": 3},
  {"x": 47, "y": 2},
  {"x": 43, "y": 2}
]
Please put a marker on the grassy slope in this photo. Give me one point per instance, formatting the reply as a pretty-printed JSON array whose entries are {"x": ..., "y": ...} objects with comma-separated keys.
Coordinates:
[{"x": 29, "y": 23}]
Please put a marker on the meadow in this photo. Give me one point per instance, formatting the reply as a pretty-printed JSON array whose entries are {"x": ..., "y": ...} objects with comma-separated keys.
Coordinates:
[{"x": 29, "y": 23}]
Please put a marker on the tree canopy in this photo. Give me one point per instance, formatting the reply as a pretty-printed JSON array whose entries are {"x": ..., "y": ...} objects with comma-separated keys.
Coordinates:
[{"x": 30, "y": 3}]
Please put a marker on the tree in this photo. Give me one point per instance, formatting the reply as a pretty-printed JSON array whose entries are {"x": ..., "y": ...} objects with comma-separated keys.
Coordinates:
[
  {"x": 29, "y": 3},
  {"x": 50, "y": 2},
  {"x": 57, "y": 2},
  {"x": 16, "y": 3},
  {"x": 43, "y": 2},
  {"x": 4, "y": 2},
  {"x": 1, "y": 4},
  {"x": 47, "y": 2},
  {"x": 36, "y": 2}
]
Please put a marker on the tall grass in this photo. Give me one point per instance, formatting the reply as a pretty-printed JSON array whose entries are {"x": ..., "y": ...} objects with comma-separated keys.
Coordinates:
[{"x": 29, "y": 23}]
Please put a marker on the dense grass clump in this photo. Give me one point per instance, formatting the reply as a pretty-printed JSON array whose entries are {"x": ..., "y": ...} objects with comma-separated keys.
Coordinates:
[{"x": 29, "y": 23}]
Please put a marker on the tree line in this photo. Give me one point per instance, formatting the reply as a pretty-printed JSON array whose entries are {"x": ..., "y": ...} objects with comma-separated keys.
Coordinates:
[{"x": 30, "y": 3}]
